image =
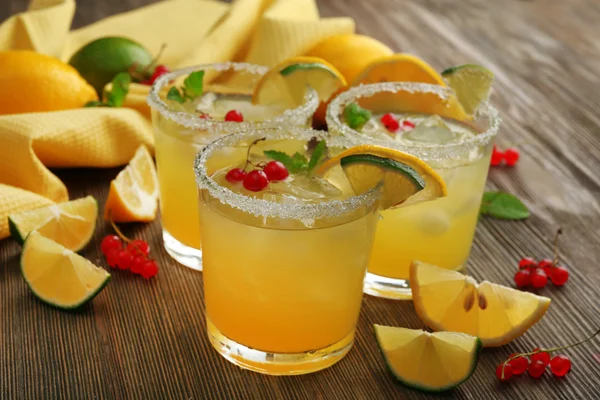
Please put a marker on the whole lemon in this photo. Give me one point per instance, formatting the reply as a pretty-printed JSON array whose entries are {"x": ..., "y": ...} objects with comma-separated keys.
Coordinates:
[{"x": 34, "y": 82}]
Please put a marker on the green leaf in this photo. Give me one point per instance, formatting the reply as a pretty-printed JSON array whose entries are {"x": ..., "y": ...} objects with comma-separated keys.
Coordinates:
[
  {"x": 278, "y": 156},
  {"x": 356, "y": 116},
  {"x": 503, "y": 205},
  {"x": 294, "y": 164},
  {"x": 94, "y": 103},
  {"x": 173, "y": 94},
  {"x": 317, "y": 154},
  {"x": 193, "y": 85},
  {"x": 120, "y": 87}
]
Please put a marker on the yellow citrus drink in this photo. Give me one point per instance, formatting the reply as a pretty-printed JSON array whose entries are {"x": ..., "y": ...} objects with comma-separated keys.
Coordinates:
[
  {"x": 283, "y": 266},
  {"x": 183, "y": 127},
  {"x": 441, "y": 231}
]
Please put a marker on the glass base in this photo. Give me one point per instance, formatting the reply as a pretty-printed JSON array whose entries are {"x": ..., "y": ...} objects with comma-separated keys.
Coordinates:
[
  {"x": 389, "y": 288},
  {"x": 183, "y": 254},
  {"x": 278, "y": 363}
]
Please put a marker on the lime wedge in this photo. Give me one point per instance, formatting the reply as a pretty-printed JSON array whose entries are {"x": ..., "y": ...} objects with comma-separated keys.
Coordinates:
[
  {"x": 471, "y": 83},
  {"x": 71, "y": 223},
  {"x": 57, "y": 275},
  {"x": 430, "y": 362}
]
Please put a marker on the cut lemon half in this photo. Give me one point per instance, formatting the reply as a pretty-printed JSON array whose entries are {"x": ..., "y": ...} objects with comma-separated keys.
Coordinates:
[
  {"x": 286, "y": 83},
  {"x": 71, "y": 223},
  {"x": 399, "y": 68},
  {"x": 405, "y": 179},
  {"x": 133, "y": 194},
  {"x": 471, "y": 83},
  {"x": 431, "y": 362},
  {"x": 447, "y": 300},
  {"x": 57, "y": 275}
]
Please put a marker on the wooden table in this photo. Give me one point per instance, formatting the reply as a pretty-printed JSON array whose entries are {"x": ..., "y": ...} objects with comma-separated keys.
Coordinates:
[{"x": 146, "y": 340}]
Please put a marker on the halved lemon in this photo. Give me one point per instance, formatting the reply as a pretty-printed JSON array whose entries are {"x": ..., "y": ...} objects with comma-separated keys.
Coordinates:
[
  {"x": 399, "y": 68},
  {"x": 431, "y": 362},
  {"x": 405, "y": 178},
  {"x": 71, "y": 223},
  {"x": 133, "y": 194},
  {"x": 447, "y": 300},
  {"x": 57, "y": 275},
  {"x": 471, "y": 83},
  {"x": 286, "y": 83}
]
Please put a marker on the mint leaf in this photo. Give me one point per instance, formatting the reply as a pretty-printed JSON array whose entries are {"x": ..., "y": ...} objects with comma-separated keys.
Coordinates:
[
  {"x": 294, "y": 164},
  {"x": 173, "y": 94},
  {"x": 278, "y": 156},
  {"x": 94, "y": 103},
  {"x": 193, "y": 85},
  {"x": 120, "y": 87},
  {"x": 317, "y": 154},
  {"x": 503, "y": 205},
  {"x": 356, "y": 116}
]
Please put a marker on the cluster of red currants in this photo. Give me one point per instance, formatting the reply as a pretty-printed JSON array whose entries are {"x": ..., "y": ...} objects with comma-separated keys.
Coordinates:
[
  {"x": 133, "y": 256},
  {"x": 259, "y": 178},
  {"x": 537, "y": 274},
  {"x": 392, "y": 123},
  {"x": 535, "y": 363},
  {"x": 509, "y": 157},
  {"x": 158, "y": 71}
]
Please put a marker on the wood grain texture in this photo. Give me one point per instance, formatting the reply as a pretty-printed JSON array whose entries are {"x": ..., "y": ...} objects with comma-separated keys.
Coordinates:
[{"x": 146, "y": 340}]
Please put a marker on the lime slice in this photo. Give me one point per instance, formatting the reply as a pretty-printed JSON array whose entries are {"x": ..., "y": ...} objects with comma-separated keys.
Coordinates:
[
  {"x": 430, "y": 362},
  {"x": 57, "y": 275},
  {"x": 472, "y": 84},
  {"x": 71, "y": 223}
]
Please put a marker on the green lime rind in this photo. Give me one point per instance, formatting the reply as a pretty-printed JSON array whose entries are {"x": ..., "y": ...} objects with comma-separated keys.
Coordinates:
[
  {"x": 409, "y": 172},
  {"x": 471, "y": 83},
  {"x": 15, "y": 233},
  {"x": 424, "y": 388},
  {"x": 290, "y": 69},
  {"x": 63, "y": 307}
]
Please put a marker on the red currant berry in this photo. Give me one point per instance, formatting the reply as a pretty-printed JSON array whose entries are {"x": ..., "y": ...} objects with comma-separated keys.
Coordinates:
[
  {"x": 235, "y": 175},
  {"x": 542, "y": 356},
  {"x": 203, "y": 116},
  {"x": 158, "y": 71},
  {"x": 504, "y": 371},
  {"x": 511, "y": 156},
  {"x": 234, "y": 116},
  {"x": 390, "y": 122},
  {"x": 519, "y": 364},
  {"x": 124, "y": 259},
  {"x": 497, "y": 157},
  {"x": 560, "y": 365},
  {"x": 255, "y": 181},
  {"x": 527, "y": 262},
  {"x": 407, "y": 125},
  {"x": 546, "y": 265},
  {"x": 539, "y": 279},
  {"x": 523, "y": 278},
  {"x": 138, "y": 246},
  {"x": 146, "y": 82},
  {"x": 112, "y": 257},
  {"x": 276, "y": 171},
  {"x": 149, "y": 269},
  {"x": 137, "y": 266},
  {"x": 560, "y": 276},
  {"x": 536, "y": 369},
  {"x": 110, "y": 242}
]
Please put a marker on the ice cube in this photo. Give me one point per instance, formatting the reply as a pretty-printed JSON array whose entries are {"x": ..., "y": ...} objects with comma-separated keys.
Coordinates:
[
  {"x": 432, "y": 130},
  {"x": 206, "y": 103},
  {"x": 304, "y": 187},
  {"x": 434, "y": 222}
]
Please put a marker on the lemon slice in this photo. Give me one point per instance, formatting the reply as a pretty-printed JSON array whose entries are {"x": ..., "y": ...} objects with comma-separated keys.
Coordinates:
[
  {"x": 57, "y": 275},
  {"x": 133, "y": 194},
  {"x": 447, "y": 300},
  {"x": 398, "y": 68},
  {"x": 286, "y": 83},
  {"x": 71, "y": 223},
  {"x": 405, "y": 178},
  {"x": 471, "y": 83},
  {"x": 430, "y": 362}
]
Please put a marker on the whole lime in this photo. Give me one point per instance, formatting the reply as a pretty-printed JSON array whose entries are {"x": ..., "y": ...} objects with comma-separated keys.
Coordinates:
[{"x": 99, "y": 61}]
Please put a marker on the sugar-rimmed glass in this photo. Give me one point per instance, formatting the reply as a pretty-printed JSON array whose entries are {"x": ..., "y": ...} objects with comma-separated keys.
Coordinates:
[
  {"x": 283, "y": 278},
  {"x": 181, "y": 131},
  {"x": 439, "y": 231}
]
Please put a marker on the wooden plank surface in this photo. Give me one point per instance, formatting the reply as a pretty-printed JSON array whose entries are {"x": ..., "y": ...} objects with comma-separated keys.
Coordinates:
[{"x": 146, "y": 340}]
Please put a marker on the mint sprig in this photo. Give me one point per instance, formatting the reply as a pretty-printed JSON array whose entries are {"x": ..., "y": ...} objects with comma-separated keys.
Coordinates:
[
  {"x": 503, "y": 205},
  {"x": 356, "y": 116},
  {"x": 298, "y": 162},
  {"x": 193, "y": 86},
  {"x": 115, "y": 97}
]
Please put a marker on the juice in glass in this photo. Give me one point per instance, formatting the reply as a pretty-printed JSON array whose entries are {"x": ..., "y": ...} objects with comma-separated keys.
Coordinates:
[
  {"x": 432, "y": 128},
  {"x": 182, "y": 129},
  {"x": 283, "y": 267}
]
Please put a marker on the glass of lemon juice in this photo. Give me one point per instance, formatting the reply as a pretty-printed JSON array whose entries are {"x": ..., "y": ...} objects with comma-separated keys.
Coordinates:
[
  {"x": 190, "y": 108},
  {"x": 428, "y": 122}
]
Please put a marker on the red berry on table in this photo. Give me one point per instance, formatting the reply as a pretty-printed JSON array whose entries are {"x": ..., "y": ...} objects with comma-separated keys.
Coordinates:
[
  {"x": 539, "y": 279},
  {"x": 519, "y": 364},
  {"x": 158, "y": 71},
  {"x": 255, "y": 181},
  {"x": 560, "y": 276},
  {"x": 542, "y": 356},
  {"x": 511, "y": 156},
  {"x": 536, "y": 369},
  {"x": 560, "y": 365},
  {"x": 112, "y": 257},
  {"x": 497, "y": 157},
  {"x": 504, "y": 371},
  {"x": 124, "y": 259},
  {"x": 137, "y": 266},
  {"x": 235, "y": 175},
  {"x": 527, "y": 262},
  {"x": 390, "y": 122},
  {"x": 276, "y": 171},
  {"x": 407, "y": 125},
  {"x": 138, "y": 246},
  {"x": 234, "y": 116},
  {"x": 149, "y": 269},
  {"x": 110, "y": 242},
  {"x": 546, "y": 265},
  {"x": 523, "y": 278}
]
